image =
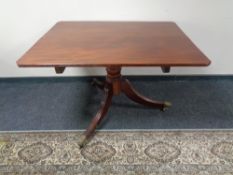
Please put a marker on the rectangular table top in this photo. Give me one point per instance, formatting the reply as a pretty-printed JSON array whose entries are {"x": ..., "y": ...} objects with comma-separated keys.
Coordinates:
[{"x": 114, "y": 44}]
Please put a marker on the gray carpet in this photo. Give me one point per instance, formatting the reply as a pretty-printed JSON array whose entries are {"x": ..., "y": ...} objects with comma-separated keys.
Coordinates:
[{"x": 70, "y": 103}]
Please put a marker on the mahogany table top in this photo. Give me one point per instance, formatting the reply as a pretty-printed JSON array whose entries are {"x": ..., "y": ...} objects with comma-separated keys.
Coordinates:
[{"x": 114, "y": 44}]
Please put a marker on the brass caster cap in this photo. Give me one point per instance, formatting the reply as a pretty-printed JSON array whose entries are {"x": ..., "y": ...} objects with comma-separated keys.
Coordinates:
[
  {"x": 82, "y": 142},
  {"x": 167, "y": 104}
]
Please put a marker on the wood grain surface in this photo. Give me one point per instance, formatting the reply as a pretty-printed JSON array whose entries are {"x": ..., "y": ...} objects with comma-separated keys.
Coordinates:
[{"x": 114, "y": 44}]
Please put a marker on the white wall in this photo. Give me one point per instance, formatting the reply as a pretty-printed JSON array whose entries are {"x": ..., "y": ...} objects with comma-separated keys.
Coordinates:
[{"x": 209, "y": 23}]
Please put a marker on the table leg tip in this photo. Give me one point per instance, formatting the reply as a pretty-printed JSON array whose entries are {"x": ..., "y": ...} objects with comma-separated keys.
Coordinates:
[
  {"x": 166, "y": 105},
  {"x": 82, "y": 142}
]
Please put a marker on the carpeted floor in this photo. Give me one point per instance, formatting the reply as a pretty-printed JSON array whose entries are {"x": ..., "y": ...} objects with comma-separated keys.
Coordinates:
[
  {"x": 118, "y": 153},
  {"x": 70, "y": 103}
]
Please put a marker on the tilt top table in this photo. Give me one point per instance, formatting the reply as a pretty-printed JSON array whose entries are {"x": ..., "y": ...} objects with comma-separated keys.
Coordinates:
[{"x": 114, "y": 45}]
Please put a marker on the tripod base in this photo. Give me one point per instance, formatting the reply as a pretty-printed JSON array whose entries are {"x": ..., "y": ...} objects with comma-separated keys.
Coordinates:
[{"x": 114, "y": 85}]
